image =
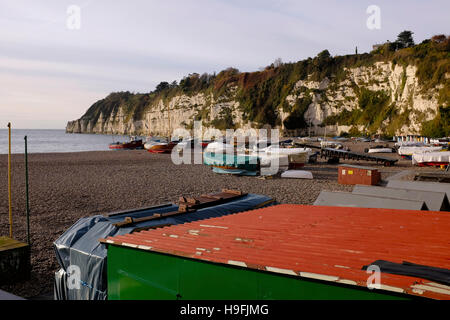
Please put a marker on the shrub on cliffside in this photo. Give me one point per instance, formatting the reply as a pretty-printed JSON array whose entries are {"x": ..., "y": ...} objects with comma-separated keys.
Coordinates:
[{"x": 438, "y": 127}]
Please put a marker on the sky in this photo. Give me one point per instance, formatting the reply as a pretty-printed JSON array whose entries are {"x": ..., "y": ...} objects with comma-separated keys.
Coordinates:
[{"x": 56, "y": 60}]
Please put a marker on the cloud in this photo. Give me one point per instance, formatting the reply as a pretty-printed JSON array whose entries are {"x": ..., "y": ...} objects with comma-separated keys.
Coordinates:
[{"x": 58, "y": 73}]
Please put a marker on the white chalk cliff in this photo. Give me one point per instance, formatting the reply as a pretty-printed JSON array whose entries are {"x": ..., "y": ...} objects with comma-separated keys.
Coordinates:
[{"x": 329, "y": 97}]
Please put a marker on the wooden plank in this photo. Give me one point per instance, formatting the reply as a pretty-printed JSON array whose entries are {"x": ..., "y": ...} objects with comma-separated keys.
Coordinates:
[
  {"x": 7, "y": 243},
  {"x": 116, "y": 213},
  {"x": 187, "y": 205},
  {"x": 129, "y": 221}
]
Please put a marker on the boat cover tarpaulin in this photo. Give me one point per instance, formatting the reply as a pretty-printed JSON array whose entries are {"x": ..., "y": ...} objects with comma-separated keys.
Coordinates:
[
  {"x": 380, "y": 150},
  {"x": 268, "y": 160},
  {"x": 239, "y": 172},
  {"x": 275, "y": 150},
  {"x": 297, "y": 174},
  {"x": 431, "y": 157},
  {"x": 417, "y": 150},
  {"x": 79, "y": 245},
  {"x": 245, "y": 162},
  {"x": 409, "y": 143}
]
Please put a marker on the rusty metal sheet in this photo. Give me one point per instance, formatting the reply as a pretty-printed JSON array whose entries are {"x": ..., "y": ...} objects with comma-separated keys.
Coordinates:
[{"x": 324, "y": 243}]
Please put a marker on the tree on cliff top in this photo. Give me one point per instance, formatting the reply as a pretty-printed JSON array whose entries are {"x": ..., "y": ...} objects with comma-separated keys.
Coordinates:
[
  {"x": 405, "y": 39},
  {"x": 162, "y": 86}
]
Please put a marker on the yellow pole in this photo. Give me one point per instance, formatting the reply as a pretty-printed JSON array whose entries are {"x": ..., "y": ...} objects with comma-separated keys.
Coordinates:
[{"x": 9, "y": 182}]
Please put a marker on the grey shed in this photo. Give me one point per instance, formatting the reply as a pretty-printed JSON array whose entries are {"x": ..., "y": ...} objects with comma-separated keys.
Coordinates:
[
  {"x": 435, "y": 201},
  {"x": 344, "y": 199},
  {"x": 421, "y": 185}
]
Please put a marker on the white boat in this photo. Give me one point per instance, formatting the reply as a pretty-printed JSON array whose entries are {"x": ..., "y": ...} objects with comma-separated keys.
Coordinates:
[
  {"x": 297, "y": 174},
  {"x": 297, "y": 157},
  {"x": 441, "y": 141},
  {"x": 380, "y": 150},
  {"x": 271, "y": 164},
  {"x": 431, "y": 158},
  {"x": 308, "y": 139},
  {"x": 152, "y": 141},
  {"x": 331, "y": 144},
  {"x": 219, "y": 147},
  {"x": 408, "y": 151},
  {"x": 278, "y": 150},
  {"x": 409, "y": 144}
]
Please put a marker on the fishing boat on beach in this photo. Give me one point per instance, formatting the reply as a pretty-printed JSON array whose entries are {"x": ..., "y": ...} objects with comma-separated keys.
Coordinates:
[
  {"x": 232, "y": 164},
  {"x": 159, "y": 145},
  {"x": 192, "y": 144},
  {"x": 379, "y": 149},
  {"x": 297, "y": 157},
  {"x": 134, "y": 144},
  {"x": 407, "y": 152},
  {"x": 432, "y": 159},
  {"x": 219, "y": 147},
  {"x": 162, "y": 147}
]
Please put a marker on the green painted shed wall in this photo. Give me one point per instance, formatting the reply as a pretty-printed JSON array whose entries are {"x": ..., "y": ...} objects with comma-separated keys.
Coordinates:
[{"x": 142, "y": 275}]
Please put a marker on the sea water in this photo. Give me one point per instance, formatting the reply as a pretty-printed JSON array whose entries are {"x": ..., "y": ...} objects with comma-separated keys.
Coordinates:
[{"x": 47, "y": 141}]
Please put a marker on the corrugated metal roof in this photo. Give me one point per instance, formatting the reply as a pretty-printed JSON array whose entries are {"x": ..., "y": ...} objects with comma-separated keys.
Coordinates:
[
  {"x": 421, "y": 185},
  {"x": 345, "y": 199},
  {"x": 325, "y": 243},
  {"x": 435, "y": 201}
]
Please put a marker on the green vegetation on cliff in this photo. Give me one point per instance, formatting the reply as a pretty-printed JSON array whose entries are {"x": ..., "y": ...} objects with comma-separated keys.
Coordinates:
[
  {"x": 373, "y": 109},
  {"x": 263, "y": 93},
  {"x": 440, "y": 126}
]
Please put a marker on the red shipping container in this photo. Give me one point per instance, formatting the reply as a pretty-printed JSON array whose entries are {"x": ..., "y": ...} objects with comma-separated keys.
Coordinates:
[{"x": 349, "y": 174}]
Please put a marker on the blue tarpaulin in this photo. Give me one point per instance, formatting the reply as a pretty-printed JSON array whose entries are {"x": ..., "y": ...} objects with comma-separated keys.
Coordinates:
[{"x": 79, "y": 245}]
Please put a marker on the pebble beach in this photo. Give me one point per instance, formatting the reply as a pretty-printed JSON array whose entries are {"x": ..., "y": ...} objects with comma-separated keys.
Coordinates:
[{"x": 65, "y": 187}]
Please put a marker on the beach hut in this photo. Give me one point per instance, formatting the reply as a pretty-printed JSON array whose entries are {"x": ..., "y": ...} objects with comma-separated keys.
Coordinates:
[
  {"x": 286, "y": 252},
  {"x": 435, "y": 201},
  {"x": 420, "y": 185},
  {"x": 345, "y": 199}
]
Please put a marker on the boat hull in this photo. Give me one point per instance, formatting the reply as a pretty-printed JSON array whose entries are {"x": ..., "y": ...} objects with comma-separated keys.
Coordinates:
[
  {"x": 240, "y": 172},
  {"x": 433, "y": 164},
  {"x": 162, "y": 148},
  {"x": 133, "y": 145}
]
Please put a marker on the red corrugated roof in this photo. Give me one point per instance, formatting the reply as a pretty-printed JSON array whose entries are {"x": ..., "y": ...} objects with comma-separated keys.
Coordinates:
[{"x": 327, "y": 243}]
